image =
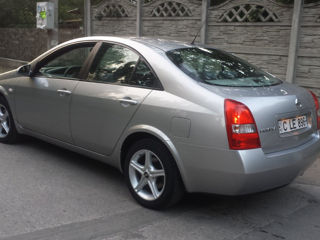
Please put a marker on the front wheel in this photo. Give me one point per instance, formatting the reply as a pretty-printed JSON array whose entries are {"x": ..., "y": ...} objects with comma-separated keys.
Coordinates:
[
  {"x": 152, "y": 175},
  {"x": 8, "y": 132}
]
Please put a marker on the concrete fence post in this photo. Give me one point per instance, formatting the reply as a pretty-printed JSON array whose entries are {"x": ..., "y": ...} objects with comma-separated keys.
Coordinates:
[
  {"x": 87, "y": 17},
  {"x": 139, "y": 18},
  {"x": 294, "y": 40},
  {"x": 53, "y": 34},
  {"x": 204, "y": 21}
]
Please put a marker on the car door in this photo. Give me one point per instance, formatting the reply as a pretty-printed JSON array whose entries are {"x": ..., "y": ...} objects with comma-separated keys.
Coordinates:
[
  {"x": 102, "y": 106},
  {"x": 43, "y": 101}
]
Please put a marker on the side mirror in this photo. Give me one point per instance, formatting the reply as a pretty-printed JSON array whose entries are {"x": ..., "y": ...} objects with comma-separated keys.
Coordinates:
[{"x": 25, "y": 70}]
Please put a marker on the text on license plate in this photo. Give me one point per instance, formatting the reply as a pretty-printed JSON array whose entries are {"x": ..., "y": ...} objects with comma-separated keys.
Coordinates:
[{"x": 292, "y": 124}]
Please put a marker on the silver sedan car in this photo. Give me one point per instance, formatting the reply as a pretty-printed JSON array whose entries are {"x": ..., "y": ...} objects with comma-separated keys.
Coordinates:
[{"x": 173, "y": 117}]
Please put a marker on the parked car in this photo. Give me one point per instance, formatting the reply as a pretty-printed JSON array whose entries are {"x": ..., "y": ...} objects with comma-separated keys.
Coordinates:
[{"x": 173, "y": 117}]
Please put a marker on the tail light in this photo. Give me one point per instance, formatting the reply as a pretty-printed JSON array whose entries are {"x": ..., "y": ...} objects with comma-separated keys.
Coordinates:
[
  {"x": 316, "y": 101},
  {"x": 241, "y": 127}
]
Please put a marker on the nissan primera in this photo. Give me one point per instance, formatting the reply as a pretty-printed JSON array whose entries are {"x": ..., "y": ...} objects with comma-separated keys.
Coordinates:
[{"x": 173, "y": 117}]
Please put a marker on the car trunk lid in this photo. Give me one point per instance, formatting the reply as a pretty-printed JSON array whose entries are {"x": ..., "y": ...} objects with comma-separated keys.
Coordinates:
[{"x": 283, "y": 104}]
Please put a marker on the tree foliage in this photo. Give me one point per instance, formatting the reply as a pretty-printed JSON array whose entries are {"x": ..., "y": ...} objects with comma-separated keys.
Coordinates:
[
  {"x": 17, "y": 13},
  {"x": 22, "y": 13}
]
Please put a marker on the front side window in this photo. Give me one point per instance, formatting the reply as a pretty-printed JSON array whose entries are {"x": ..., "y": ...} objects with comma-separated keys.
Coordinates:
[
  {"x": 113, "y": 64},
  {"x": 67, "y": 64},
  {"x": 216, "y": 67}
]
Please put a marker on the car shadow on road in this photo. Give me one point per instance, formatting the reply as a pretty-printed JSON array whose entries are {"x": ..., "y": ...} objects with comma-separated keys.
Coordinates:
[{"x": 70, "y": 157}]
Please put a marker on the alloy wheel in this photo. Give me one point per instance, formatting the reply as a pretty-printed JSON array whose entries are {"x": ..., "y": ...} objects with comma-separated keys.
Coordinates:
[
  {"x": 4, "y": 122},
  {"x": 147, "y": 175}
]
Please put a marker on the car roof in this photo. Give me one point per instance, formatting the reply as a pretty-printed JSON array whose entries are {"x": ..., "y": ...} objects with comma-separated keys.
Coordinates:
[
  {"x": 163, "y": 44},
  {"x": 155, "y": 43}
]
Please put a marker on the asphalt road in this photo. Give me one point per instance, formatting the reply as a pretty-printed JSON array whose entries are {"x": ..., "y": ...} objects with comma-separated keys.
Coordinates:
[{"x": 50, "y": 193}]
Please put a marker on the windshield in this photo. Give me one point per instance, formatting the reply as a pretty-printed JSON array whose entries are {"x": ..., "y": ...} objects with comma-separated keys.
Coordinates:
[{"x": 216, "y": 67}]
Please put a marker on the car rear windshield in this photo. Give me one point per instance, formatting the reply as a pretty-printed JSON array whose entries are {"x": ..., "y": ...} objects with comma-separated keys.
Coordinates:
[{"x": 216, "y": 67}]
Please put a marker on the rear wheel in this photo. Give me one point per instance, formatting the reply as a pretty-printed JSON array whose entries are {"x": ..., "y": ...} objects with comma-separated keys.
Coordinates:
[
  {"x": 152, "y": 175},
  {"x": 8, "y": 132}
]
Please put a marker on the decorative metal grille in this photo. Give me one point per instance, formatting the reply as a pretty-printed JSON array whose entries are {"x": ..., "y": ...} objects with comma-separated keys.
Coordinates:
[
  {"x": 249, "y": 13},
  {"x": 171, "y": 9},
  {"x": 112, "y": 10}
]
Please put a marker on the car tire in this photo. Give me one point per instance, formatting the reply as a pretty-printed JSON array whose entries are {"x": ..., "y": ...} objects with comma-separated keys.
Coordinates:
[
  {"x": 8, "y": 132},
  {"x": 152, "y": 175}
]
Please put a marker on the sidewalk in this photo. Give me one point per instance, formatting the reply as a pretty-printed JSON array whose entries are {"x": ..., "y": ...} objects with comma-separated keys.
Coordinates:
[{"x": 311, "y": 175}]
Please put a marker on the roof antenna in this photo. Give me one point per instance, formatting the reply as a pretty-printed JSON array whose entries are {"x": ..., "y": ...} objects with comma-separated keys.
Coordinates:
[
  {"x": 195, "y": 37},
  {"x": 192, "y": 43}
]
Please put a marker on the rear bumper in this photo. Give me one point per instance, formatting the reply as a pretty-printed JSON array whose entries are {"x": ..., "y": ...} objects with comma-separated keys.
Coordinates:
[{"x": 246, "y": 171}]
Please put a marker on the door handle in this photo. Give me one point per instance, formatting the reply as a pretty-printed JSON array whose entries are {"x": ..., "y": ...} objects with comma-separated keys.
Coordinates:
[
  {"x": 128, "y": 101},
  {"x": 63, "y": 92}
]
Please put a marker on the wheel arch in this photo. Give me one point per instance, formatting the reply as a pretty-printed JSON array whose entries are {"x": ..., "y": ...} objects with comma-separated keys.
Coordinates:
[
  {"x": 9, "y": 98},
  {"x": 143, "y": 131},
  {"x": 3, "y": 93}
]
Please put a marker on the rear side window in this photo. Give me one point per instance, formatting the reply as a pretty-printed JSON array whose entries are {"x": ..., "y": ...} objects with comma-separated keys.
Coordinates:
[
  {"x": 143, "y": 76},
  {"x": 216, "y": 67}
]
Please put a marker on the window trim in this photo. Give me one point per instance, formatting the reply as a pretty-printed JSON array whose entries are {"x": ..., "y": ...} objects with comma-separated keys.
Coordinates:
[{"x": 157, "y": 85}]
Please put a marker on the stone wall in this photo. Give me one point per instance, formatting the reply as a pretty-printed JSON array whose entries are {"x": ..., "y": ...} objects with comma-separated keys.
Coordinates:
[
  {"x": 22, "y": 43},
  {"x": 27, "y": 43},
  {"x": 262, "y": 37}
]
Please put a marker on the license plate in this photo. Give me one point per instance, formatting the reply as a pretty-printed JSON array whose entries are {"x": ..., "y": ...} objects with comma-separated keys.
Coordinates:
[{"x": 292, "y": 124}]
